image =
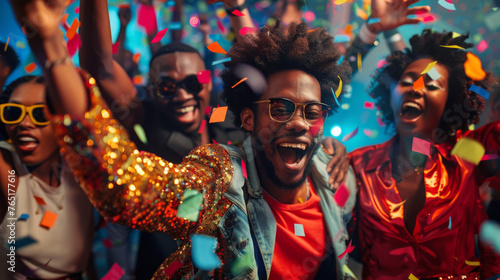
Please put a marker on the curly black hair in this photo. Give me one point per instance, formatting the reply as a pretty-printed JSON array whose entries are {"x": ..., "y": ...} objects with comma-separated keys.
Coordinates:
[
  {"x": 428, "y": 44},
  {"x": 272, "y": 50},
  {"x": 5, "y": 95},
  {"x": 9, "y": 57}
]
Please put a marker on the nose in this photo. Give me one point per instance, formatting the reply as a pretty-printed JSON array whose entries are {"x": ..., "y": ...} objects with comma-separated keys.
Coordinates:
[
  {"x": 298, "y": 122},
  {"x": 26, "y": 122},
  {"x": 182, "y": 95},
  {"x": 417, "y": 93}
]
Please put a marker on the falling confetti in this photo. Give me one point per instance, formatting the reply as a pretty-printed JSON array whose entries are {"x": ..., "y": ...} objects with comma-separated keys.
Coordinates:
[{"x": 241, "y": 81}]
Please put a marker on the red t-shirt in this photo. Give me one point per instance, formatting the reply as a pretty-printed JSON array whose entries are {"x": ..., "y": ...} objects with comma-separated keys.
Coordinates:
[{"x": 300, "y": 238}]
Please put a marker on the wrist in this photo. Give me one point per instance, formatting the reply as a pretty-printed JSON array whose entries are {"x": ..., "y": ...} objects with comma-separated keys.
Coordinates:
[
  {"x": 240, "y": 7},
  {"x": 234, "y": 3},
  {"x": 366, "y": 35}
]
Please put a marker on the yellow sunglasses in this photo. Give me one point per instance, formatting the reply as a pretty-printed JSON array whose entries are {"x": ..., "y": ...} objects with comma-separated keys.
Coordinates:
[{"x": 12, "y": 113}]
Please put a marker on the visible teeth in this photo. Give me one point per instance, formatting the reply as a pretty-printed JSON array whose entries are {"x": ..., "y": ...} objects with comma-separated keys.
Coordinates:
[
  {"x": 411, "y": 104},
  {"x": 27, "y": 139},
  {"x": 296, "y": 146},
  {"x": 185, "y": 109}
]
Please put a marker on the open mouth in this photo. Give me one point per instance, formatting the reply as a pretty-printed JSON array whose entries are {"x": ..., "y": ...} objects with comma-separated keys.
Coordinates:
[
  {"x": 184, "y": 110},
  {"x": 411, "y": 110},
  {"x": 292, "y": 153},
  {"x": 27, "y": 143}
]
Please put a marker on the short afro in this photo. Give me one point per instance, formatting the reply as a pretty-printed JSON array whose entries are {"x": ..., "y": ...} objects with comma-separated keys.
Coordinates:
[
  {"x": 272, "y": 51},
  {"x": 428, "y": 44},
  {"x": 9, "y": 56}
]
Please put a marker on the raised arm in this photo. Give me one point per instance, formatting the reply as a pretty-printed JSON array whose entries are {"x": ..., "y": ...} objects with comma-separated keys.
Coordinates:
[
  {"x": 237, "y": 22},
  {"x": 96, "y": 57}
]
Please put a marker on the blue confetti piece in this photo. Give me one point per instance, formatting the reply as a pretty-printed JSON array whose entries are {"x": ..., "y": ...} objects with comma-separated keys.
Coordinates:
[
  {"x": 221, "y": 61},
  {"x": 335, "y": 97},
  {"x": 170, "y": 3},
  {"x": 341, "y": 59},
  {"x": 447, "y": 5},
  {"x": 25, "y": 241},
  {"x": 449, "y": 224},
  {"x": 341, "y": 39},
  {"x": 496, "y": 277},
  {"x": 203, "y": 252},
  {"x": 23, "y": 217},
  {"x": 214, "y": 37},
  {"x": 490, "y": 231},
  {"x": 481, "y": 91},
  {"x": 373, "y": 20},
  {"x": 175, "y": 25}
]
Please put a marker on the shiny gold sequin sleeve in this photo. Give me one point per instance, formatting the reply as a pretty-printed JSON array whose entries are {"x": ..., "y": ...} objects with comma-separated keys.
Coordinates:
[{"x": 139, "y": 189}]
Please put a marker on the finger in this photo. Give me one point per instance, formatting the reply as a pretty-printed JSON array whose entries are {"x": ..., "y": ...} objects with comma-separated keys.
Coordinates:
[
  {"x": 343, "y": 174},
  {"x": 333, "y": 175},
  {"x": 418, "y": 10},
  {"x": 411, "y": 2},
  {"x": 335, "y": 159},
  {"x": 328, "y": 148},
  {"x": 413, "y": 20}
]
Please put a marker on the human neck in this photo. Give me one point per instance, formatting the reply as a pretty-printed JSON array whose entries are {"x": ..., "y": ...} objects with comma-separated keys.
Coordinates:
[
  {"x": 285, "y": 196},
  {"x": 48, "y": 171}
]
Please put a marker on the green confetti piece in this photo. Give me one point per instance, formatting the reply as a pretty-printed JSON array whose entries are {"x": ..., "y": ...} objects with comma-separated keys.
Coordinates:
[
  {"x": 190, "y": 206},
  {"x": 242, "y": 263},
  {"x": 139, "y": 131}
]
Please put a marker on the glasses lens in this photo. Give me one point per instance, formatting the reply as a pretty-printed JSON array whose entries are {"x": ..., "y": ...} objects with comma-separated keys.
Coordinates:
[
  {"x": 12, "y": 113},
  {"x": 192, "y": 85},
  {"x": 167, "y": 87},
  {"x": 38, "y": 115},
  {"x": 315, "y": 112},
  {"x": 281, "y": 109}
]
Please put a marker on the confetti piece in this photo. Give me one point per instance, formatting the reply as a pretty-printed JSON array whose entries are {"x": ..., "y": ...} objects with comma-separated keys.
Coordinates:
[
  {"x": 455, "y": 35},
  {"x": 244, "y": 169},
  {"x": 473, "y": 67},
  {"x": 242, "y": 263},
  {"x": 380, "y": 122},
  {"x": 221, "y": 27},
  {"x": 107, "y": 243},
  {"x": 449, "y": 224},
  {"x": 434, "y": 74},
  {"x": 48, "y": 220},
  {"x": 468, "y": 149},
  {"x": 246, "y": 30},
  {"x": 341, "y": 195},
  {"x": 490, "y": 157},
  {"x": 412, "y": 277},
  {"x": 202, "y": 126},
  {"x": 190, "y": 206},
  {"x": 472, "y": 263},
  {"x": 348, "y": 29},
  {"x": 373, "y": 20},
  {"x": 204, "y": 76},
  {"x": 194, "y": 21},
  {"x": 159, "y": 35},
  {"x": 482, "y": 46},
  {"x": 203, "y": 252},
  {"x": 429, "y": 67},
  {"x": 137, "y": 80},
  {"x": 339, "y": 88},
  {"x": 350, "y": 135},
  {"x": 335, "y": 97},
  {"x": 237, "y": 13},
  {"x": 348, "y": 250},
  {"x": 139, "y": 131},
  {"x": 299, "y": 230},
  {"x": 359, "y": 62},
  {"x": 341, "y": 39},
  {"x": 481, "y": 91},
  {"x": 421, "y": 146},
  {"x": 39, "y": 200},
  {"x": 77, "y": 10},
  {"x": 23, "y": 217},
  {"x": 452, "y": 47},
  {"x": 115, "y": 273},
  {"x": 72, "y": 29},
  {"x": 241, "y": 81},
  {"x": 172, "y": 268},
  {"x": 341, "y": 59},
  {"x": 340, "y": 2},
  {"x": 348, "y": 271},
  {"x": 30, "y": 68},
  {"x": 490, "y": 231},
  {"x": 175, "y": 25},
  {"x": 446, "y": 5},
  {"x": 369, "y": 105},
  {"x": 147, "y": 18},
  {"x": 73, "y": 45},
  {"x": 309, "y": 31},
  {"x": 221, "y": 61},
  {"x": 419, "y": 84},
  {"x": 25, "y": 241},
  {"x": 216, "y": 48},
  {"x": 136, "y": 58},
  {"x": 367, "y": 132},
  {"x": 362, "y": 14},
  {"x": 115, "y": 47},
  {"x": 6, "y": 44},
  {"x": 218, "y": 114}
]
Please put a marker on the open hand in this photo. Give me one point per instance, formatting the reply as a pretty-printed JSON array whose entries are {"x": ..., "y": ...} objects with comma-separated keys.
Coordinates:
[
  {"x": 394, "y": 13},
  {"x": 124, "y": 14},
  {"x": 39, "y": 17}
]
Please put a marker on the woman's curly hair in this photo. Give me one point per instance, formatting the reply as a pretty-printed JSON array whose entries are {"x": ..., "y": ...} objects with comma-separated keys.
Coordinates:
[
  {"x": 428, "y": 44},
  {"x": 272, "y": 51}
]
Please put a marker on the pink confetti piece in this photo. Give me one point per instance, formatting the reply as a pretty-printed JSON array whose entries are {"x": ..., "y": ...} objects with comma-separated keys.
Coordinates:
[
  {"x": 221, "y": 27},
  {"x": 482, "y": 46},
  {"x": 172, "y": 268},
  {"x": 202, "y": 126},
  {"x": 350, "y": 135},
  {"x": 341, "y": 195},
  {"x": 490, "y": 157},
  {"x": 421, "y": 146},
  {"x": 369, "y": 105},
  {"x": 204, "y": 76},
  {"x": 380, "y": 122},
  {"x": 244, "y": 169},
  {"x": 115, "y": 273},
  {"x": 208, "y": 110},
  {"x": 237, "y": 13},
  {"x": 348, "y": 250},
  {"x": 115, "y": 47},
  {"x": 246, "y": 30},
  {"x": 147, "y": 18},
  {"x": 159, "y": 35},
  {"x": 367, "y": 132},
  {"x": 77, "y": 10}
]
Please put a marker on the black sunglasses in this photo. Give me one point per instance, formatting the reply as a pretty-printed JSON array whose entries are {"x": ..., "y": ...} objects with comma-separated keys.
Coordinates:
[{"x": 167, "y": 87}]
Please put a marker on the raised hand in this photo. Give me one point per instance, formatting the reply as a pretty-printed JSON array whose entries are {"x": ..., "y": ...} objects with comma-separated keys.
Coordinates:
[
  {"x": 39, "y": 17},
  {"x": 124, "y": 14},
  {"x": 394, "y": 13}
]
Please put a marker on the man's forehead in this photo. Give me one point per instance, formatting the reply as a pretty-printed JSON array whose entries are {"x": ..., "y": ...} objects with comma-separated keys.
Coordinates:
[{"x": 176, "y": 63}]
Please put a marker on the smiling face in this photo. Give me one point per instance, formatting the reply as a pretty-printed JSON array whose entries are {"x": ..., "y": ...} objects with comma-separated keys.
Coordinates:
[
  {"x": 284, "y": 149},
  {"x": 34, "y": 144},
  {"x": 418, "y": 113},
  {"x": 183, "y": 110}
]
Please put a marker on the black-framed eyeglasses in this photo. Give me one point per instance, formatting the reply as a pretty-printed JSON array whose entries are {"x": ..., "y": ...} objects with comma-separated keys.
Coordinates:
[
  {"x": 283, "y": 109},
  {"x": 167, "y": 87}
]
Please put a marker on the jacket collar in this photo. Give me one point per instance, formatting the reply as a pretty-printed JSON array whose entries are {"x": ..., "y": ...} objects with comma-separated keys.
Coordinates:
[{"x": 255, "y": 190}]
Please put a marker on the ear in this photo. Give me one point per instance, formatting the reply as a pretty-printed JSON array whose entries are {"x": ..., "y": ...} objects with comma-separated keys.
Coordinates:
[
  {"x": 5, "y": 71},
  {"x": 247, "y": 119}
]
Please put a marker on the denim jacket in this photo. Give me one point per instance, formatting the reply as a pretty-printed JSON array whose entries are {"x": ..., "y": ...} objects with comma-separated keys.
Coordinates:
[{"x": 249, "y": 226}]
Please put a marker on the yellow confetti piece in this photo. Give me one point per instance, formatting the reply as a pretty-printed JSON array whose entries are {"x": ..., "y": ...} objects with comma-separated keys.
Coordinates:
[
  {"x": 476, "y": 263},
  {"x": 359, "y": 62},
  {"x": 455, "y": 35},
  {"x": 429, "y": 67},
  {"x": 6, "y": 44},
  {"x": 452, "y": 47},
  {"x": 362, "y": 14},
  {"x": 347, "y": 271},
  {"x": 468, "y": 149},
  {"x": 340, "y": 2},
  {"x": 339, "y": 89},
  {"x": 412, "y": 277}
]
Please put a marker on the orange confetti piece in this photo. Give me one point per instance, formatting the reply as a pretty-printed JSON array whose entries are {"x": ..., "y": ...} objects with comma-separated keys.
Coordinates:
[
  {"x": 218, "y": 115},
  {"x": 362, "y": 14},
  {"x": 348, "y": 29},
  {"x": 72, "y": 29},
  {"x": 137, "y": 80},
  {"x": 63, "y": 20},
  {"x": 241, "y": 81},
  {"x": 6, "y": 44},
  {"x": 359, "y": 62},
  {"x": 313, "y": 30},
  {"x": 30, "y": 67},
  {"x": 136, "y": 58},
  {"x": 39, "y": 200},
  {"x": 49, "y": 219},
  {"x": 216, "y": 48},
  {"x": 419, "y": 84},
  {"x": 473, "y": 68}
]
